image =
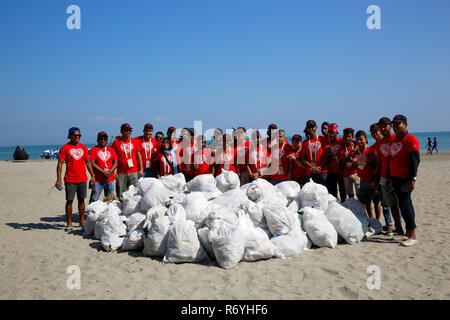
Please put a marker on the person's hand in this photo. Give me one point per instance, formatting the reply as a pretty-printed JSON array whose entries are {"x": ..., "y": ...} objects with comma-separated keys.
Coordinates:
[
  {"x": 141, "y": 172},
  {"x": 315, "y": 169},
  {"x": 106, "y": 173},
  {"x": 255, "y": 175},
  {"x": 115, "y": 175},
  {"x": 196, "y": 166},
  {"x": 291, "y": 157},
  {"x": 58, "y": 184},
  {"x": 409, "y": 185},
  {"x": 92, "y": 180}
]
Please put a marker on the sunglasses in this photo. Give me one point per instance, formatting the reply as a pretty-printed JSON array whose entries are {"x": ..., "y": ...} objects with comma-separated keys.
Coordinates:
[
  {"x": 103, "y": 138},
  {"x": 77, "y": 135}
]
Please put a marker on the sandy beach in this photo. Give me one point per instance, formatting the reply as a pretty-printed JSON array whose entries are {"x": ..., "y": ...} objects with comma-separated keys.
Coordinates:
[{"x": 36, "y": 252}]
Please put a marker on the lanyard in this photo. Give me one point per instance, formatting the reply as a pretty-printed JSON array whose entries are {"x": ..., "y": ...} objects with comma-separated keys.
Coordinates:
[
  {"x": 125, "y": 150},
  {"x": 149, "y": 143},
  {"x": 315, "y": 150},
  {"x": 104, "y": 158}
]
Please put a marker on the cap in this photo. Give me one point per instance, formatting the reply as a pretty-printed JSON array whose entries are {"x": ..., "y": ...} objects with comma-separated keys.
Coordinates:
[
  {"x": 171, "y": 129},
  {"x": 333, "y": 128},
  {"x": 102, "y": 134},
  {"x": 399, "y": 118},
  {"x": 384, "y": 120},
  {"x": 125, "y": 126},
  {"x": 311, "y": 123},
  {"x": 296, "y": 137},
  {"x": 361, "y": 133},
  {"x": 74, "y": 129},
  {"x": 148, "y": 125},
  {"x": 374, "y": 127},
  {"x": 272, "y": 126}
]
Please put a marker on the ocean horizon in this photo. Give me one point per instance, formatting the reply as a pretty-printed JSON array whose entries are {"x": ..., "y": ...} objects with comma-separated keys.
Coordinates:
[{"x": 35, "y": 151}]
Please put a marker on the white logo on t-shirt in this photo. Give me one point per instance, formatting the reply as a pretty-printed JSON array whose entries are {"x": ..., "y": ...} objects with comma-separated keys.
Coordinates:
[
  {"x": 396, "y": 147},
  {"x": 104, "y": 156},
  {"x": 385, "y": 150},
  {"x": 76, "y": 153}
]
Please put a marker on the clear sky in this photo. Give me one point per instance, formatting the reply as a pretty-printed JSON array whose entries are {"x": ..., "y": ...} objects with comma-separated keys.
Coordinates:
[{"x": 225, "y": 62}]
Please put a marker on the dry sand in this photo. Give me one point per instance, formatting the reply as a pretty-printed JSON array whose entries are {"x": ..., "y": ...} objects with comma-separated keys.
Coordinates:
[{"x": 36, "y": 252}]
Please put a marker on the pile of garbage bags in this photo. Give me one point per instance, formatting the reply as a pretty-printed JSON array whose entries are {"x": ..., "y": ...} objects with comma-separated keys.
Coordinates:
[{"x": 214, "y": 218}]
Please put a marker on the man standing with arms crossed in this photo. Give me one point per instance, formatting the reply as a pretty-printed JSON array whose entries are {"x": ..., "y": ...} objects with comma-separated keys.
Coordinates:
[
  {"x": 76, "y": 157},
  {"x": 403, "y": 166},
  {"x": 128, "y": 152}
]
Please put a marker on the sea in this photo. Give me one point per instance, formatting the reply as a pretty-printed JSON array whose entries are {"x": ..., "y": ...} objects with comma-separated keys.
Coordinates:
[{"x": 35, "y": 152}]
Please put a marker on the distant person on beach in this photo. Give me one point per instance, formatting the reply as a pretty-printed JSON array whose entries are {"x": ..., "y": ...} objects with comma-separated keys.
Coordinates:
[
  {"x": 76, "y": 157},
  {"x": 104, "y": 163},
  {"x": 434, "y": 145},
  {"x": 403, "y": 166},
  {"x": 429, "y": 147},
  {"x": 324, "y": 128},
  {"x": 130, "y": 165},
  {"x": 149, "y": 147}
]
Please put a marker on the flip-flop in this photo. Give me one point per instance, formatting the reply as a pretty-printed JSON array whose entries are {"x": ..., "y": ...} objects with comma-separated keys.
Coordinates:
[
  {"x": 400, "y": 238},
  {"x": 68, "y": 228},
  {"x": 409, "y": 242}
]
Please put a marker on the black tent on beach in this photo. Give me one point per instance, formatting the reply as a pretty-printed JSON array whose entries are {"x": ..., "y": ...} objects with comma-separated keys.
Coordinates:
[{"x": 20, "y": 154}]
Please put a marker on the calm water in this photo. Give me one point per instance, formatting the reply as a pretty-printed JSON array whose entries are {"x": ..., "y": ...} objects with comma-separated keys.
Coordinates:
[{"x": 443, "y": 139}]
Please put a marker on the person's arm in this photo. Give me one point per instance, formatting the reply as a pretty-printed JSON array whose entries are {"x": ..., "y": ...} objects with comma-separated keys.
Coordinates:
[
  {"x": 91, "y": 172},
  {"x": 59, "y": 166},
  {"x": 414, "y": 158},
  {"x": 140, "y": 164}
]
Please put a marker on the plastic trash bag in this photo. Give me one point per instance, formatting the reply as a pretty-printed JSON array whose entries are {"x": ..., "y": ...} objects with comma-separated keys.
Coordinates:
[
  {"x": 194, "y": 203},
  {"x": 290, "y": 244},
  {"x": 145, "y": 183},
  {"x": 155, "y": 244},
  {"x": 259, "y": 188},
  {"x": 319, "y": 229},
  {"x": 227, "y": 180},
  {"x": 134, "y": 240},
  {"x": 278, "y": 220},
  {"x": 97, "y": 207},
  {"x": 228, "y": 244},
  {"x": 111, "y": 241},
  {"x": 176, "y": 212},
  {"x": 152, "y": 214},
  {"x": 377, "y": 227},
  {"x": 89, "y": 225},
  {"x": 256, "y": 214},
  {"x": 156, "y": 195},
  {"x": 345, "y": 222},
  {"x": 289, "y": 189},
  {"x": 218, "y": 212},
  {"x": 111, "y": 222},
  {"x": 183, "y": 244},
  {"x": 131, "y": 205},
  {"x": 174, "y": 183},
  {"x": 232, "y": 199},
  {"x": 314, "y": 195},
  {"x": 203, "y": 236},
  {"x": 136, "y": 219},
  {"x": 258, "y": 246},
  {"x": 358, "y": 210},
  {"x": 202, "y": 183}
]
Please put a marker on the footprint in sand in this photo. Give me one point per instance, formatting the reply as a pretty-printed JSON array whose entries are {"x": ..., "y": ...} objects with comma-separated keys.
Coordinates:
[{"x": 348, "y": 293}]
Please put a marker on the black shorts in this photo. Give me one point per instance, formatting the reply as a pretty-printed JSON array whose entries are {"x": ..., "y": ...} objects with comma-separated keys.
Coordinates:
[{"x": 79, "y": 188}]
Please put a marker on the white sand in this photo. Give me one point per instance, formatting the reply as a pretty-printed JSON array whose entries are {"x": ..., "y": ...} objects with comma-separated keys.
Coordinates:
[{"x": 36, "y": 252}]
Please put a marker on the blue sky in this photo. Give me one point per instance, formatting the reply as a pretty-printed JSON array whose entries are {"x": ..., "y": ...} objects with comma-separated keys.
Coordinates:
[{"x": 227, "y": 63}]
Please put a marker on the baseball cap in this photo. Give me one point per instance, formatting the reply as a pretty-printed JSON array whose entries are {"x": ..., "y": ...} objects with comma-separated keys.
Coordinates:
[
  {"x": 102, "y": 134},
  {"x": 148, "y": 125},
  {"x": 399, "y": 118},
  {"x": 272, "y": 126},
  {"x": 361, "y": 133},
  {"x": 333, "y": 128},
  {"x": 125, "y": 126},
  {"x": 384, "y": 120},
  {"x": 311, "y": 123},
  {"x": 374, "y": 127},
  {"x": 74, "y": 129},
  {"x": 297, "y": 137}
]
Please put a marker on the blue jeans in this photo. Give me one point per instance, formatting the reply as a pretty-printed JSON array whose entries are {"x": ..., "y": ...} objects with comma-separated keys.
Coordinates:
[
  {"x": 98, "y": 187},
  {"x": 319, "y": 178},
  {"x": 275, "y": 182},
  {"x": 404, "y": 202},
  {"x": 149, "y": 174}
]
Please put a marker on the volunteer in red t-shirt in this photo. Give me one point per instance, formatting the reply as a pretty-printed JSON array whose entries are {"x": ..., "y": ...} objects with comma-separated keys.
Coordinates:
[
  {"x": 166, "y": 159},
  {"x": 257, "y": 158},
  {"x": 104, "y": 163},
  {"x": 203, "y": 159},
  {"x": 76, "y": 157},
  {"x": 387, "y": 191},
  {"x": 225, "y": 157},
  {"x": 188, "y": 147},
  {"x": 374, "y": 161},
  {"x": 149, "y": 148},
  {"x": 297, "y": 171},
  {"x": 280, "y": 159},
  {"x": 130, "y": 166},
  {"x": 325, "y": 128},
  {"x": 271, "y": 140},
  {"x": 335, "y": 179},
  {"x": 314, "y": 154},
  {"x": 172, "y": 135},
  {"x": 242, "y": 151},
  {"x": 403, "y": 166},
  {"x": 348, "y": 163}
]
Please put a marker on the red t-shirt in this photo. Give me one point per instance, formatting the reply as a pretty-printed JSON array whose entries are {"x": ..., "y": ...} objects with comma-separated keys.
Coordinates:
[
  {"x": 103, "y": 157},
  {"x": 149, "y": 149},
  {"x": 344, "y": 156},
  {"x": 257, "y": 158},
  {"x": 242, "y": 155},
  {"x": 335, "y": 148},
  {"x": 187, "y": 158},
  {"x": 399, "y": 164},
  {"x": 165, "y": 167},
  {"x": 203, "y": 160},
  {"x": 284, "y": 151},
  {"x": 127, "y": 150},
  {"x": 374, "y": 155},
  {"x": 315, "y": 152},
  {"x": 364, "y": 170},
  {"x": 225, "y": 158},
  {"x": 385, "y": 152},
  {"x": 298, "y": 171},
  {"x": 75, "y": 157}
]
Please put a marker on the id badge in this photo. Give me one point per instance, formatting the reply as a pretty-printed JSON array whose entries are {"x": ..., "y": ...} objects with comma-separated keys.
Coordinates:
[
  {"x": 130, "y": 163},
  {"x": 147, "y": 164}
]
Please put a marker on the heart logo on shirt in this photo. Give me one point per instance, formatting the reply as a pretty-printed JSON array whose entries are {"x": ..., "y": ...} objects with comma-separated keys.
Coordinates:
[
  {"x": 148, "y": 146},
  {"x": 314, "y": 147},
  {"x": 104, "y": 156},
  {"x": 396, "y": 147},
  {"x": 334, "y": 149},
  {"x": 76, "y": 153},
  {"x": 127, "y": 147},
  {"x": 385, "y": 150}
]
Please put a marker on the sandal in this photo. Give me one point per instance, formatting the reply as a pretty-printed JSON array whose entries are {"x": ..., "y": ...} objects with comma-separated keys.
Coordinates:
[
  {"x": 68, "y": 228},
  {"x": 409, "y": 242},
  {"x": 400, "y": 238}
]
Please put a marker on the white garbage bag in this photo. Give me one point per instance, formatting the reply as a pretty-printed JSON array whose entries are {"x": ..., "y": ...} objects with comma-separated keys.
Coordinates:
[
  {"x": 97, "y": 207},
  {"x": 290, "y": 244},
  {"x": 145, "y": 183},
  {"x": 319, "y": 229},
  {"x": 112, "y": 222},
  {"x": 258, "y": 246},
  {"x": 155, "y": 244},
  {"x": 314, "y": 195},
  {"x": 289, "y": 189},
  {"x": 89, "y": 225},
  {"x": 111, "y": 241},
  {"x": 194, "y": 204},
  {"x": 228, "y": 244},
  {"x": 176, "y": 212},
  {"x": 156, "y": 195},
  {"x": 152, "y": 214},
  {"x": 256, "y": 214},
  {"x": 227, "y": 180},
  {"x": 203, "y": 236},
  {"x": 134, "y": 240},
  {"x": 218, "y": 212},
  {"x": 131, "y": 192},
  {"x": 278, "y": 220},
  {"x": 131, "y": 205},
  {"x": 259, "y": 188},
  {"x": 174, "y": 183},
  {"x": 136, "y": 219},
  {"x": 202, "y": 183},
  {"x": 345, "y": 222},
  {"x": 183, "y": 244},
  {"x": 232, "y": 199}
]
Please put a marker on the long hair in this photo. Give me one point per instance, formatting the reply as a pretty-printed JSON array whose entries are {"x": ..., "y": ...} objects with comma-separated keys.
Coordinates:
[{"x": 162, "y": 144}]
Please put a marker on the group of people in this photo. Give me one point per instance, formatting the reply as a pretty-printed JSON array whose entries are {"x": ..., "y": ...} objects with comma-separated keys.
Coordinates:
[
  {"x": 381, "y": 176},
  {"x": 431, "y": 146}
]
